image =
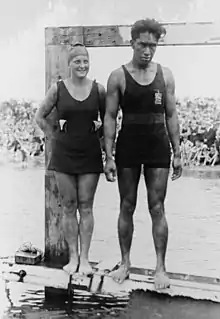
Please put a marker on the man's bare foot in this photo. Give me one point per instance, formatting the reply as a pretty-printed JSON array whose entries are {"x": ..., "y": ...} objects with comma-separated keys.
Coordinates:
[
  {"x": 85, "y": 268},
  {"x": 71, "y": 267},
  {"x": 161, "y": 280},
  {"x": 119, "y": 275}
]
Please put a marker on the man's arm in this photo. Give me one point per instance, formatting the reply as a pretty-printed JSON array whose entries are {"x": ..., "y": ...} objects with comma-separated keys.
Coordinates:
[
  {"x": 172, "y": 121},
  {"x": 112, "y": 106},
  {"x": 45, "y": 109}
]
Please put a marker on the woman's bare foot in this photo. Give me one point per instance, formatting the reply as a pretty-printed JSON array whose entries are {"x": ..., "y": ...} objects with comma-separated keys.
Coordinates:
[
  {"x": 71, "y": 267},
  {"x": 161, "y": 280},
  {"x": 119, "y": 275},
  {"x": 85, "y": 268}
]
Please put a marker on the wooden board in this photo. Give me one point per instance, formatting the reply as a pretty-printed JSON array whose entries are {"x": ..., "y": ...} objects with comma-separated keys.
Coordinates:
[
  {"x": 182, "y": 33},
  {"x": 63, "y": 35},
  {"x": 196, "y": 287}
]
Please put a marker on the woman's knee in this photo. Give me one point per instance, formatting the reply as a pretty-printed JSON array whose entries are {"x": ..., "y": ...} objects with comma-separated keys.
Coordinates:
[
  {"x": 69, "y": 206},
  {"x": 85, "y": 208}
]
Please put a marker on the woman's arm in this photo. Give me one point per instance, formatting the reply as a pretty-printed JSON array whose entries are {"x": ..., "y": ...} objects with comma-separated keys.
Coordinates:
[
  {"x": 102, "y": 96},
  {"x": 45, "y": 109}
]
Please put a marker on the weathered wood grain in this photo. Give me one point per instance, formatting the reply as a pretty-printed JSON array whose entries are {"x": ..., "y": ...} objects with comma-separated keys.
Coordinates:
[
  {"x": 63, "y": 35},
  {"x": 206, "y": 33},
  {"x": 56, "y": 249}
]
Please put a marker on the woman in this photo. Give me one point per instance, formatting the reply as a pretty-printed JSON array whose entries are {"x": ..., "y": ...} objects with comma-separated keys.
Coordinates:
[
  {"x": 76, "y": 153},
  {"x": 211, "y": 156},
  {"x": 185, "y": 148}
]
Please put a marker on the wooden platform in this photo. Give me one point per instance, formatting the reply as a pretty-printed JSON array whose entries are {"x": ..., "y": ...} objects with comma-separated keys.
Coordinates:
[{"x": 101, "y": 283}]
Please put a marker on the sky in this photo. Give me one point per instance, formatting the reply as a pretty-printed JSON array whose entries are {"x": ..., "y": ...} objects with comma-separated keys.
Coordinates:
[{"x": 22, "y": 52}]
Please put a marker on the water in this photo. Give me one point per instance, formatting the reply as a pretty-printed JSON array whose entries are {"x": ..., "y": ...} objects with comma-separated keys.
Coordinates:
[{"x": 193, "y": 212}]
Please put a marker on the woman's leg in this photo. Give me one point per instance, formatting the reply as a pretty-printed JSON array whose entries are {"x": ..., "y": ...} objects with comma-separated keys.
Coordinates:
[
  {"x": 87, "y": 185},
  {"x": 67, "y": 187}
]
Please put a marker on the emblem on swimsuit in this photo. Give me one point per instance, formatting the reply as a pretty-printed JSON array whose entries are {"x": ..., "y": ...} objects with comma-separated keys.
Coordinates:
[
  {"x": 158, "y": 98},
  {"x": 62, "y": 124}
]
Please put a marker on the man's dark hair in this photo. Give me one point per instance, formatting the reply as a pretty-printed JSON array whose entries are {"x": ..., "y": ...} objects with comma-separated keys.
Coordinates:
[{"x": 147, "y": 25}]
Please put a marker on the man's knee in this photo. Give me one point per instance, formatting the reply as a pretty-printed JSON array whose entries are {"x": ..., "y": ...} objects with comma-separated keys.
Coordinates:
[
  {"x": 69, "y": 206},
  {"x": 128, "y": 206},
  {"x": 157, "y": 210}
]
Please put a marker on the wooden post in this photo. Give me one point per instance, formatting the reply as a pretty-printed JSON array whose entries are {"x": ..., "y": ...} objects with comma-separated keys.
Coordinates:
[
  {"x": 56, "y": 250},
  {"x": 58, "y": 42}
]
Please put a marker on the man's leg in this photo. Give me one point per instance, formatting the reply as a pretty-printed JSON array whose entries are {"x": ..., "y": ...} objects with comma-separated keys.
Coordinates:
[
  {"x": 87, "y": 185},
  {"x": 68, "y": 193},
  {"x": 128, "y": 180},
  {"x": 156, "y": 182}
]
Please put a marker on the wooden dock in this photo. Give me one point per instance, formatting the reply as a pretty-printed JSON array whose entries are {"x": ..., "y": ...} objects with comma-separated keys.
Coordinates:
[{"x": 101, "y": 283}]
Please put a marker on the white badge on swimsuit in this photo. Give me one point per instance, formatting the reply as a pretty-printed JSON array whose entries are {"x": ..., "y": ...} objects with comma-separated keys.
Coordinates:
[{"x": 62, "y": 122}]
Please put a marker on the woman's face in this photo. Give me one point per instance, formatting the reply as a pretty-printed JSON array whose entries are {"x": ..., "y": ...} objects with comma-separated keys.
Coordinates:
[{"x": 80, "y": 65}]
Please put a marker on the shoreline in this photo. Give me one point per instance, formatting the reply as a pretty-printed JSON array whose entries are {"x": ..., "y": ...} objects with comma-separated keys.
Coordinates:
[{"x": 7, "y": 160}]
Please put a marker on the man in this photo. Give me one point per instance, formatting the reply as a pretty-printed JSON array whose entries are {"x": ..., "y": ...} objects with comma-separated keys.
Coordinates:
[
  {"x": 193, "y": 132},
  {"x": 145, "y": 92},
  {"x": 210, "y": 134}
]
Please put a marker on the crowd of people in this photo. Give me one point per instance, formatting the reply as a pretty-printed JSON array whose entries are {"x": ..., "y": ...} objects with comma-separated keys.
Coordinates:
[
  {"x": 20, "y": 138},
  {"x": 199, "y": 131}
]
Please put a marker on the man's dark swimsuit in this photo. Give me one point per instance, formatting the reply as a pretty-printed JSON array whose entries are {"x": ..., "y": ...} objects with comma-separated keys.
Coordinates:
[{"x": 143, "y": 138}]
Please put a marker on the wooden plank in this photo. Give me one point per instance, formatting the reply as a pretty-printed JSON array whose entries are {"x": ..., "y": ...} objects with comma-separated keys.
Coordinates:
[
  {"x": 178, "y": 276},
  {"x": 199, "y": 33},
  {"x": 42, "y": 269},
  {"x": 104, "y": 285},
  {"x": 63, "y": 35}
]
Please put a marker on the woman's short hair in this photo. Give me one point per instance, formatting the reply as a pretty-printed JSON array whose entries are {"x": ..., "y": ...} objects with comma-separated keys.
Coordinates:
[{"x": 147, "y": 25}]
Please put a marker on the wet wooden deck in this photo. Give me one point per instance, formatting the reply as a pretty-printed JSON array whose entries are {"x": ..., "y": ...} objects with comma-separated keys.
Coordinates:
[{"x": 101, "y": 283}]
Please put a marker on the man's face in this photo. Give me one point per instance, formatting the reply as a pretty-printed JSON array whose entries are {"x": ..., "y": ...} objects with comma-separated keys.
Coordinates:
[{"x": 144, "y": 48}]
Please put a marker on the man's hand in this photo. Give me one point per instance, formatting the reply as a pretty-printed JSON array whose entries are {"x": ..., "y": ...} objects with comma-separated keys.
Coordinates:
[
  {"x": 177, "y": 167},
  {"x": 110, "y": 170}
]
